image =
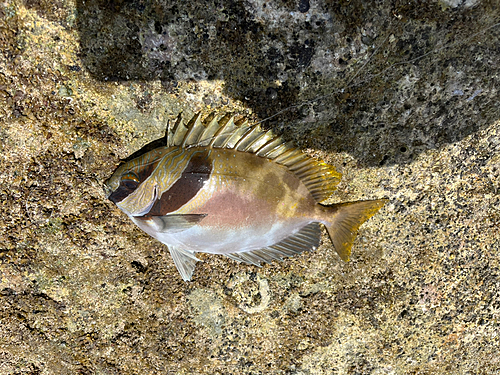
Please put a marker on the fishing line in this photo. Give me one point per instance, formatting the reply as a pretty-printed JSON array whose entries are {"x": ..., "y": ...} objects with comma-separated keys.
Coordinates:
[{"x": 349, "y": 85}]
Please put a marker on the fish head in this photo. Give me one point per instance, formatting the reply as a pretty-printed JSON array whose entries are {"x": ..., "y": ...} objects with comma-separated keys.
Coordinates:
[
  {"x": 137, "y": 184},
  {"x": 120, "y": 178},
  {"x": 134, "y": 185}
]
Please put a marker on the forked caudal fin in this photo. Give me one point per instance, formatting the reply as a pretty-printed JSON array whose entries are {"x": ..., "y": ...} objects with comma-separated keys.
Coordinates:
[{"x": 345, "y": 220}]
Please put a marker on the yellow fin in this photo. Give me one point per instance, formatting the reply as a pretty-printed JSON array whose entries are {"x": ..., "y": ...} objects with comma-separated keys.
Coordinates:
[
  {"x": 345, "y": 220},
  {"x": 320, "y": 178}
]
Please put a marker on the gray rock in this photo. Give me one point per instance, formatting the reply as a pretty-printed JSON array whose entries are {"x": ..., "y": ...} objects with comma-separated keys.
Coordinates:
[{"x": 401, "y": 96}]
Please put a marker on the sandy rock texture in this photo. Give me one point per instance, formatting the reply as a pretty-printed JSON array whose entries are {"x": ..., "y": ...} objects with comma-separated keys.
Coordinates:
[{"x": 402, "y": 96}]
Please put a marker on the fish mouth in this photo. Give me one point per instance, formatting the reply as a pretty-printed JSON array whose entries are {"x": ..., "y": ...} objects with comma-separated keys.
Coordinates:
[{"x": 107, "y": 190}]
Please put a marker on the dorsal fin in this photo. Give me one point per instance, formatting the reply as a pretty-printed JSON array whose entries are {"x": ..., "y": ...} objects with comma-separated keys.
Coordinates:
[
  {"x": 224, "y": 132},
  {"x": 175, "y": 135}
]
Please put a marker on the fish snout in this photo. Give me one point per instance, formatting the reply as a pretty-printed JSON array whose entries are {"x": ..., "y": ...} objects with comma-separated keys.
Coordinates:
[{"x": 107, "y": 190}]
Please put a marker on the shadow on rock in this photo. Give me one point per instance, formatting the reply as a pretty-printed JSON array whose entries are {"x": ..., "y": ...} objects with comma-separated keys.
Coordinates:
[{"x": 394, "y": 79}]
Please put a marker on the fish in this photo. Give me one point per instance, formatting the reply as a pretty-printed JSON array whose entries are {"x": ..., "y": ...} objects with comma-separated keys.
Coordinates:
[{"x": 223, "y": 186}]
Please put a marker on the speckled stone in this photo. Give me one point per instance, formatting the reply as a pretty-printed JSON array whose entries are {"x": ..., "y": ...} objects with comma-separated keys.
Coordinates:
[{"x": 401, "y": 96}]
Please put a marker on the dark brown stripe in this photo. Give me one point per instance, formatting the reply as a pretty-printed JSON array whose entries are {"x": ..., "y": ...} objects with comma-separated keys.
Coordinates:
[
  {"x": 146, "y": 171},
  {"x": 127, "y": 187},
  {"x": 186, "y": 187}
]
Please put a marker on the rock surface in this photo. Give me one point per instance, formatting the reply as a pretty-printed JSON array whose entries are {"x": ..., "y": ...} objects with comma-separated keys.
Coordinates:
[{"x": 401, "y": 96}]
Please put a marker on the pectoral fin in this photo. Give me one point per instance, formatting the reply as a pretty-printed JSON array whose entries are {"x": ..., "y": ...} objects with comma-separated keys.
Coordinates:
[
  {"x": 184, "y": 260},
  {"x": 176, "y": 223}
]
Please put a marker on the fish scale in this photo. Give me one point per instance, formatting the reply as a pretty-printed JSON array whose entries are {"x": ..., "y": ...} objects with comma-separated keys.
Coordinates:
[{"x": 222, "y": 186}]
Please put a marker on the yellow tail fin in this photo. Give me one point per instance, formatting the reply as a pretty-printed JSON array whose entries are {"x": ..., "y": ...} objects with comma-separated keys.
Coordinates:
[{"x": 346, "y": 220}]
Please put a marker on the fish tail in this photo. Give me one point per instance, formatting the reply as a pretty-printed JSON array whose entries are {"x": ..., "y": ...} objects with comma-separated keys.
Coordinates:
[{"x": 344, "y": 220}]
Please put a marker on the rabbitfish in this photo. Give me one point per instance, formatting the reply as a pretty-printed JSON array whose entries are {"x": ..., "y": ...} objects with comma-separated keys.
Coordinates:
[{"x": 225, "y": 187}]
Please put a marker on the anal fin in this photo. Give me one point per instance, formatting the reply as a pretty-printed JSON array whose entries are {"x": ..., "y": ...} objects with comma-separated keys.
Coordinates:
[
  {"x": 306, "y": 238},
  {"x": 184, "y": 260}
]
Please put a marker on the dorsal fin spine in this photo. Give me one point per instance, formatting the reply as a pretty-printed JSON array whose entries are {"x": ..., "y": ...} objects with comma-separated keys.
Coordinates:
[
  {"x": 284, "y": 156},
  {"x": 277, "y": 151},
  {"x": 236, "y": 136},
  {"x": 240, "y": 122},
  {"x": 208, "y": 134},
  {"x": 194, "y": 128},
  {"x": 225, "y": 124},
  {"x": 178, "y": 132},
  {"x": 258, "y": 142},
  {"x": 246, "y": 139},
  {"x": 255, "y": 140},
  {"x": 269, "y": 146}
]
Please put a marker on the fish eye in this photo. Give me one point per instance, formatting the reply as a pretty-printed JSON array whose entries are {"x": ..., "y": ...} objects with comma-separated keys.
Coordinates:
[
  {"x": 128, "y": 183},
  {"x": 130, "y": 176}
]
